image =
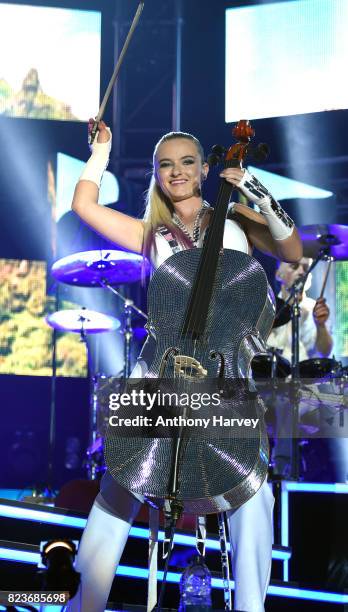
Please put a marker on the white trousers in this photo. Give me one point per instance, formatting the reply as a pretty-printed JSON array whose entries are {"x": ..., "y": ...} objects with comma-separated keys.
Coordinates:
[
  {"x": 251, "y": 537},
  {"x": 99, "y": 554},
  {"x": 251, "y": 533}
]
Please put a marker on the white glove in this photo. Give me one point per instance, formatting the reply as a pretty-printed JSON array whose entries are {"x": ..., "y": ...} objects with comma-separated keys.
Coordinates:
[
  {"x": 98, "y": 162},
  {"x": 280, "y": 224}
]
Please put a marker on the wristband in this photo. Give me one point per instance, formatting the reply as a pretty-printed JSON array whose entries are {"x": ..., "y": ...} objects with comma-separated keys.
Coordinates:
[
  {"x": 280, "y": 224},
  {"x": 98, "y": 162}
]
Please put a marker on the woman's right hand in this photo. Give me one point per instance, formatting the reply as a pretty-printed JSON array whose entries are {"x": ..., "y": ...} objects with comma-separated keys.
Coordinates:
[{"x": 104, "y": 132}]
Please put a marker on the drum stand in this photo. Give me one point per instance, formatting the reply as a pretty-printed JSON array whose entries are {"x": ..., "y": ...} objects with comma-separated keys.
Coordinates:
[
  {"x": 129, "y": 306},
  {"x": 91, "y": 464},
  {"x": 295, "y": 375},
  {"x": 275, "y": 479}
]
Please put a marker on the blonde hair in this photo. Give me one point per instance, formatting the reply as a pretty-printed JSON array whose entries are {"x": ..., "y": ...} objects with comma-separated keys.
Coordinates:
[{"x": 159, "y": 209}]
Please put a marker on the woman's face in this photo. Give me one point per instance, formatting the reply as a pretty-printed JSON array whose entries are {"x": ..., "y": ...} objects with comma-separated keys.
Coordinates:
[{"x": 179, "y": 170}]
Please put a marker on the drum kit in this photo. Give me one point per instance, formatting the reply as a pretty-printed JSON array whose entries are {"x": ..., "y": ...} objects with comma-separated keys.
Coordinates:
[
  {"x": 321, "y": 242},
  {"x": 100, "y": 269},
  {"x": 317, "y": 378},
  {"x": 110, "y": 268}
]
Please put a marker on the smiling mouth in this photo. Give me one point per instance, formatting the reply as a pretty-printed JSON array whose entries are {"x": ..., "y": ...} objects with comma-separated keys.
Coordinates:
[{"x": 179, "y": 182}]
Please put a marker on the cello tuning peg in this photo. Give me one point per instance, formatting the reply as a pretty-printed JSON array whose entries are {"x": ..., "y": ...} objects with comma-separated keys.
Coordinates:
[
  {"x": 218, "y": 150},
  {"x": 212, "y": 160},
  {"x": 261, "y": 152}
]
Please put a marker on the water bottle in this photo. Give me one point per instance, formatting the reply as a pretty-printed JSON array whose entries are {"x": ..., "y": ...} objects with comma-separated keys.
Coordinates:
[{"x": 195, "y": 587}]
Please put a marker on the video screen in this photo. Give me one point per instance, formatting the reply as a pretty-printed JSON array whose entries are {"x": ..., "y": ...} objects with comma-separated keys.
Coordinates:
[
  {"x": 68, "y": 172},
  {"x": 49, "y": 62},
  {"x": 286, "y": 58},
  {"x": 25, "y": 336},
  {"x": 341, "y": 327}
]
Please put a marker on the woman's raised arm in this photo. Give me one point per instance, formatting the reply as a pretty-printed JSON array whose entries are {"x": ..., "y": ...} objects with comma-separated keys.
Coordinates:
[
  {"x": 277, "y": 234},
  {"x": 117, "y": 227}
]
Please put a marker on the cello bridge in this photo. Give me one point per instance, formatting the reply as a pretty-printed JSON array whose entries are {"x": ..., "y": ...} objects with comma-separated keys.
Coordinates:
[{"x": 189, "y": 368}]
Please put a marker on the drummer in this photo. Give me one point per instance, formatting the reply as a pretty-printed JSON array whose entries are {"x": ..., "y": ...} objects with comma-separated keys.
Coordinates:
[
  {"x": 314, "y": 341},
  {"x": 315, "y": 337}
]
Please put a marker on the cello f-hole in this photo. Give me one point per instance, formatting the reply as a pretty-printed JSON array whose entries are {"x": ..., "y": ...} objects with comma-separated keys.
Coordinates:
[
  {"x": 173, "y": 350},
  {"x": 216, "y": 355}
]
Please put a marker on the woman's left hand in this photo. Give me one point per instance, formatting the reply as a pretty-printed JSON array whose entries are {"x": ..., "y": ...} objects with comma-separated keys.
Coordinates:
[{"x": 233, "y": 175}]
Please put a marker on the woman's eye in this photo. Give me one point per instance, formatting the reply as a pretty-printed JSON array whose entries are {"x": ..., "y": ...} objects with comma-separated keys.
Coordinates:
[{"x": 185, "y": 162}]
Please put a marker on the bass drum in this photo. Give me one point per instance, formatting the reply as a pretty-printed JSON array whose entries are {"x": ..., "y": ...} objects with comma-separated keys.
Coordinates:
[
  {"x": 99, "y": 422},
  {"x": 320, "y": 368},
  {"x": 261, "y": 366}
]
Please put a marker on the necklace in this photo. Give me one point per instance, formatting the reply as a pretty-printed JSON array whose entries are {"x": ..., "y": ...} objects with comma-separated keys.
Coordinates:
[{"x": 196, "y": 230}]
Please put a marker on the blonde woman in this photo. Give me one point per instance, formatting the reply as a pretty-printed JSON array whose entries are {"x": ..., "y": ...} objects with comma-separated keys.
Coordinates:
[{"x": 176, "y": 218}]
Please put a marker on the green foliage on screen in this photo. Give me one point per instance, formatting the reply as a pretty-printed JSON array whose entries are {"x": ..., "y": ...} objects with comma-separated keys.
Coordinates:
[
  {"x": 341, "y": 339},
  {"x": 25, "y": 337}
]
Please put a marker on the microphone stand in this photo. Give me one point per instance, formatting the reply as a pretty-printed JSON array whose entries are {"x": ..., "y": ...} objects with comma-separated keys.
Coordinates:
[
  {"x": 91, "y": 464},
  {"x": 294, "y": 299}
]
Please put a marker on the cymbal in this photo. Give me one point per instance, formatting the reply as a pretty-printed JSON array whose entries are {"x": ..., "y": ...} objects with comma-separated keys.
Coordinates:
[
  {"x": 331, "y": 237},
  {"x": 91, "y": 268},
  {"x": 283, "y": 313},
  {"x": 82, "y": 320}
]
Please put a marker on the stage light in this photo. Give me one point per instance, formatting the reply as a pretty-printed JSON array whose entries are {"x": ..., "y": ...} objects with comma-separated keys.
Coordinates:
[
  {"x": 41, "y": 516},
  {"x": 285, "y": 528},
  {"x": 58, "y": 557},
  {"x": 173, "y": 577},
  {"x": 69, "y": 170},
  {"x": 135, "y": 532},
  {"x": 283, "y": 188},
  {"x": 23, "y": 556},
  {"x": 316, "y": 487}
]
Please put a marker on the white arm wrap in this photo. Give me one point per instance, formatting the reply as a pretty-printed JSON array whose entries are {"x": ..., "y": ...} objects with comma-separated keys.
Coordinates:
[
  {"x": 280, "y": 224},
  {"x": 98, "y": 162}
]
